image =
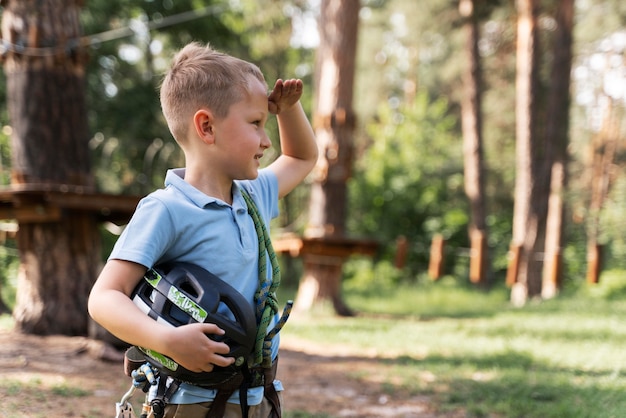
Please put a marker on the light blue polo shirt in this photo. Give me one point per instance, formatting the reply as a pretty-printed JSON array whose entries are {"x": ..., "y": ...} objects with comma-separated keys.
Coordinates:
[{"x": 181, "y": 223}]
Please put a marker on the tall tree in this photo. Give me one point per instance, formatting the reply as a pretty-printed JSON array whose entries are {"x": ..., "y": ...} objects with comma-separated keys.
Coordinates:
[
  {"x": 524, "y": 272},
  {"x": 471, "y": 117},
  {"x": 603, "y": 149},
  {"x": 59, "y": 252},
  {"x": 334, "y": 123},
  {"x": 557, "y": 138}
]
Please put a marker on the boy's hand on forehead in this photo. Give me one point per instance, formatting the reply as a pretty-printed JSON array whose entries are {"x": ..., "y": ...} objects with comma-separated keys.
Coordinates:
[{"x": 284, "y": 95}]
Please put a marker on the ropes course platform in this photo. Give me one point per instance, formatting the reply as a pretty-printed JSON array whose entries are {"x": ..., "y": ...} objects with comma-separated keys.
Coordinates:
[
  {"x": 40, "y": 203},
  {"x": 341, "y": 247}
]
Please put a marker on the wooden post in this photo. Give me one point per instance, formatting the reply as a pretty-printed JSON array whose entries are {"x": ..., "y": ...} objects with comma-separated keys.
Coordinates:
[
  {"x": 594, "y": 263},
  {"x": 477, "y": 273},
  {"x": 402, "y": 246},
  {"x": 515, "y": 252},
  {"x": 435, "y": 267}
]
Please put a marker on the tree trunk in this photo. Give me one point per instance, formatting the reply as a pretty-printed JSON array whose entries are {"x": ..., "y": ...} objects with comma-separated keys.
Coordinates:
[
  {"x": 472, "y": 145},
  {"x": 557, "y": 134},
  {"x": 528, "y": 222},
  {"x": 334, "y": 124},
  {"x": 604, "y": 148},
  {"x": 44, "y": 67}
]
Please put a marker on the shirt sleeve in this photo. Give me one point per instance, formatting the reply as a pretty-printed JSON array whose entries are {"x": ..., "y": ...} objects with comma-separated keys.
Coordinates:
[{"x": 148, "y": 234}]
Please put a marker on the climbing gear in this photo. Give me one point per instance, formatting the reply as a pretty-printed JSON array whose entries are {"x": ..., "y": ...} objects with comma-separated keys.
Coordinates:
[
  {"x": 163, "y": 396},
  {"x": 265, "y": 299},
  {"x": 123, "y": 408},
  {"x": 165, "y": 296},
  {"x": 143, "y": 378},
  {"x": 250, "y": 378},
  {"x": 182, "y": 293},
  {"x": 266, "y": 304}
]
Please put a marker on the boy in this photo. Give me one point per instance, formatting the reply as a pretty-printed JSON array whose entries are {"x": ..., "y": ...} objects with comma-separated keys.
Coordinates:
[{"x": 216, "y": 107}]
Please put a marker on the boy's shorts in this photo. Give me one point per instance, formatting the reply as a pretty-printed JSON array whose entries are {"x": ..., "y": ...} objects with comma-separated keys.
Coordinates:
[{"x": 200, "y": 410}]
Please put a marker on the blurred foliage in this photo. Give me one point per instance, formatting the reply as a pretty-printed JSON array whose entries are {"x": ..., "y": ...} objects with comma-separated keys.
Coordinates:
[
  {"x": 131, "y": 144},
  {"x": 409, "y": 180},
  {"x": 9, "y": 264},
  {"x": 409, "y": 47},
  {"x": 408, "y": 164},
  {"x": 612, "y": 286}
]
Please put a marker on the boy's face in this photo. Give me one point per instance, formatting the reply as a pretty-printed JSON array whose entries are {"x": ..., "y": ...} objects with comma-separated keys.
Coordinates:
[{"x": 241, "y": 135}]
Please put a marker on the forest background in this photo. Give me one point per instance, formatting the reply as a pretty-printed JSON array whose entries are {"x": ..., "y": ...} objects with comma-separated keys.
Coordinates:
[
  {"x": 431, "y": 348},
  {"x": 407, "y": 179}
]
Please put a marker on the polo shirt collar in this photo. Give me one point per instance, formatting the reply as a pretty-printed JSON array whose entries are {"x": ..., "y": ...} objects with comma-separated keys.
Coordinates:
[{"x": 175, "y": 178}]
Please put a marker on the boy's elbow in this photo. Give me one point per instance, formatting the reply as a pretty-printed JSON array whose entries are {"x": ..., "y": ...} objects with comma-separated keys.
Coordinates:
[
  {"x": 96, "y": 307},
  {"x": 91, "y": 306},
  {"x": 312, "y": 155},
  {"x": 315, "y": 153},
  {"x": 311, "y": 163}
]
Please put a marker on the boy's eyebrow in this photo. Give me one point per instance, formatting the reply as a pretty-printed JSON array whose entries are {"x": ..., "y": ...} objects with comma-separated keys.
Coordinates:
[{"x": 261, "y": 114}]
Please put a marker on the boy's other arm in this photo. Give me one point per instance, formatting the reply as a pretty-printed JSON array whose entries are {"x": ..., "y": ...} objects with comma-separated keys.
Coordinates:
[
  {"x": 110, "y": 305},
  {"x": 297, "y": 140}
]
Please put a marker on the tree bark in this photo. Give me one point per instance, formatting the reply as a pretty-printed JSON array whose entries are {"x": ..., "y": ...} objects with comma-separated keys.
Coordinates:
[
  {"x": 604, "y": 148},
  {"x": 557, "y": 134},
  {"x": 334, "y": 123},
  {"x": 528, "y": 222},
  {"x": 44, "y": 67},
  {"x": 472, "y": 145}
]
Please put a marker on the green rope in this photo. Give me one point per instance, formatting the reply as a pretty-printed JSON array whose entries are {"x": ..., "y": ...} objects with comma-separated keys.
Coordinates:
[{"x": 266, "y": 302}]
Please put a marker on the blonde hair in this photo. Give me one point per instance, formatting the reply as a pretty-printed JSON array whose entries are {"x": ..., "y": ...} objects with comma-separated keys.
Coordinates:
[{"x": 203, "y": 77}]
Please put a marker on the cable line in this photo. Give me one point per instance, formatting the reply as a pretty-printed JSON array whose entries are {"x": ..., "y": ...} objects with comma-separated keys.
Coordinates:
[{"x": 110, "y": 35}]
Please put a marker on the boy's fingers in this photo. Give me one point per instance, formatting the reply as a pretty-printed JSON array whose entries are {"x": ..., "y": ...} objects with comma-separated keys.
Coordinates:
[
  {"x": 223, "y": 361},
  {"x": 284, "y": 94},
  {"x": 289, "y": 86},
  {"x": 212, "y": 329},
  {"x": 275, "y": 95}
]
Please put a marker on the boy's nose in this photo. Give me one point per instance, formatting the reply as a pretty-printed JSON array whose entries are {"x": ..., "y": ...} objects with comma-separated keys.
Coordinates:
[{"x": 265, "y": 141}]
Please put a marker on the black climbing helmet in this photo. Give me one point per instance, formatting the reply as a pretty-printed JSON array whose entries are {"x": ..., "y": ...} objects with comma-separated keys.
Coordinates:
[{"x": 183, "y": 293}]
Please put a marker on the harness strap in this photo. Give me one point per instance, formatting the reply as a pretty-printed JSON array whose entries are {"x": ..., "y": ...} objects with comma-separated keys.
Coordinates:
[
  {"x": 272, "y": 396},
  {"x": 164, "y": 394},
  {"x": 243, "y": 391},
  {"x": 218, "y": 407},
  {"x": 269, "y": 392}
]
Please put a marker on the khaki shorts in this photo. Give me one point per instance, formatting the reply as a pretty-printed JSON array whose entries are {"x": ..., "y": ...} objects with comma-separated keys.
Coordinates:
[{"x": 199, "y": 410}]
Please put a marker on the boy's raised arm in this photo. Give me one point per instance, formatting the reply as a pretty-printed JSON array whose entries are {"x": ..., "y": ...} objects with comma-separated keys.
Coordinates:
[{"x": 297, "y": 140}]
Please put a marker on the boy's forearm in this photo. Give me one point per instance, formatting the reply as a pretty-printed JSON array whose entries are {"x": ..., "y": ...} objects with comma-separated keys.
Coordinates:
[
  {"x": 118, "y": 315},
  {"x": 297, "y": 137}
]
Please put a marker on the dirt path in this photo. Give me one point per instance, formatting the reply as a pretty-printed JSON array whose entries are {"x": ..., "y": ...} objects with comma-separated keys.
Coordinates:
[{"x": 65, "y": 377}]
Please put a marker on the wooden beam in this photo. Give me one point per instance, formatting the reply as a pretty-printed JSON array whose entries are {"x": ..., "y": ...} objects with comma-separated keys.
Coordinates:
[
  {"x": 47, "y": 202},
  {"x": 324, "y": 246}
]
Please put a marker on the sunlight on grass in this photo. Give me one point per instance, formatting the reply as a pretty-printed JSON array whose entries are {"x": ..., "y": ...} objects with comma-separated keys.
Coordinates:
[
  {"x": 470, "y": 350},
  {"x": 68, "y": 391},
  {"x": 467, "y": 350},
  {"x": 443, "y": 298}
]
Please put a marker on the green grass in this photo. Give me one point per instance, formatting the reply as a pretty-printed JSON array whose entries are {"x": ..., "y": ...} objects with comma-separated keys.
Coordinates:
[
  {"x": 473, "y": 354},
  {"x": 470, "y": 350}
]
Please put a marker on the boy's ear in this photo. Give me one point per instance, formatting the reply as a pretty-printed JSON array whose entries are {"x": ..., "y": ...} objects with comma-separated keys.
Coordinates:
[{"x": 203, "y": 123}]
